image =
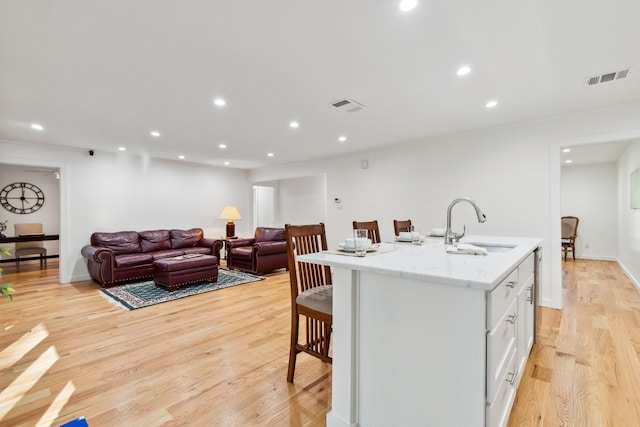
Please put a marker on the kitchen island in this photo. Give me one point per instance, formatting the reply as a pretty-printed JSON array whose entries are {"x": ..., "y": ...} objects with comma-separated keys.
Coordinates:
[{"x": 423, "y": 337}]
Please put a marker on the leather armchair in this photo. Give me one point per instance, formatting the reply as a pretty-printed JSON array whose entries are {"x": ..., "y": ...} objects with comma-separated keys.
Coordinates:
[{"x": 267, "y": 251}]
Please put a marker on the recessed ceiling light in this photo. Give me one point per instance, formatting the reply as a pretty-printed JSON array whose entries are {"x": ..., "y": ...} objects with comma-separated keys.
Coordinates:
[
  {"x": 569, "y": 161},
  {"x": 566, "y": 150},
  {"x": 342, "y": 138},
  {"x": 464, "y": 70},
  {"x": 220, "y": 102},
  {"x": 227, "y": 163},
  {"x": 222, "y": 146},
  {"x": 407, "y": 5},
  {"x": 36, "y": 126},
  {"x": 294, "y": 125},
  {"x": 122, "y": 149},
  {"x": 181, "y": 157},
  {"x": 491, "y": 104},
  {"x": 154, "y": 133},
  {"x": 269, "y": 154}
]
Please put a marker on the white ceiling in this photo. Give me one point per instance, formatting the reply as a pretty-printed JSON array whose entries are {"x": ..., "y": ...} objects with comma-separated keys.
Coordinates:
[
  {"x": 593, "y": 153},
  {"x": 103, "y": 74}
]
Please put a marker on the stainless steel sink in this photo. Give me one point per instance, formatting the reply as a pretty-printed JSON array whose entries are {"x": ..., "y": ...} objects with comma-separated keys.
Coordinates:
[{"x": 493, "y": 247}]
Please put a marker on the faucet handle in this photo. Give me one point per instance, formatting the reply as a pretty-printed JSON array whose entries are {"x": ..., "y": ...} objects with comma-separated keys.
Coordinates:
[{"x": 457, "y": 236}]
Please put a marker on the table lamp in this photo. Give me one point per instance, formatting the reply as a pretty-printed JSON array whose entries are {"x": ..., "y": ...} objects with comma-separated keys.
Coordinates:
[{"x": 230, "y": 213}]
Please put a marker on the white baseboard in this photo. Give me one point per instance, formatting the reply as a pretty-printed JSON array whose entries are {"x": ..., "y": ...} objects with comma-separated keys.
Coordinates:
[
  {"x": 548, "y": 303},
  {"x": 629, "y": 275},
  {"x": 78, "y": 278},
  {"x": 596, "y": 258}
]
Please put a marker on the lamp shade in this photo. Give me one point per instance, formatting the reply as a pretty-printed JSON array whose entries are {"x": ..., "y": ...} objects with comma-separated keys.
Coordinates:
[{"x": 230, "y": 213}]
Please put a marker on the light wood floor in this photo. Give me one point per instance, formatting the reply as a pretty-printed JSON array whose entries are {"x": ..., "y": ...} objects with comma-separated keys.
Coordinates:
[
  {"x": 585, "y": 368},
  {"x": 220, "y": 359}
]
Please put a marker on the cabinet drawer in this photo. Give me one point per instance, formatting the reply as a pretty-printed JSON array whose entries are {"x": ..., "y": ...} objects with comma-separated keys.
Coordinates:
[
  {"x": 501, "y": 298},
  {"x": 498, "y": 411},
  {"x": 500, "y": 344}
]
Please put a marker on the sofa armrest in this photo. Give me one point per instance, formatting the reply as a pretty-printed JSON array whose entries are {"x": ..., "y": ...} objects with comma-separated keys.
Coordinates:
[
  {"x": 101, "y": 263},
  {"x": 267, "y": 248},
  {"x": 235, "y": 243},
  {"x": 98, "y": 254},
  {"x": 215, "y": 245}
]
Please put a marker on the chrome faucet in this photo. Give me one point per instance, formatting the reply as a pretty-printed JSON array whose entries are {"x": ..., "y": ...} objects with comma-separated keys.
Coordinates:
[{"x": 449, "y": 236}]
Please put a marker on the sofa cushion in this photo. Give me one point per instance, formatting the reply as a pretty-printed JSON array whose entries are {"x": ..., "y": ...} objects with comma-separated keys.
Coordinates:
[
  {"x": 122, "y": 242},
  {"x": 128, "y": 260},
  {"x": 264, "y": 234},
  {"x": 154, "y": 240},
  {"x": 167, "y": 253},
  {"x": 242, "y": 252},
  {"x": 185, "y": 238},
  {"x": 198, "y": 250}
]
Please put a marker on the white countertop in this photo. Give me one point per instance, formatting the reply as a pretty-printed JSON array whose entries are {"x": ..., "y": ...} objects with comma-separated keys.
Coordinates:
[{"x": 430, "y": 261}]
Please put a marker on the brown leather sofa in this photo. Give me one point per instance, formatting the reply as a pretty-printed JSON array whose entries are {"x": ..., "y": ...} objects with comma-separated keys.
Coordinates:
[
  {"x": 128, "y": 255},
  {"x": 267, "y": 251}
]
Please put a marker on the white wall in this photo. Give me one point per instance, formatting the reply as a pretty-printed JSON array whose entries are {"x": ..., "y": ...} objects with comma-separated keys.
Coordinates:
[
  {"x": 48, "y": 215},
  {"x": 113, "y": 192},
  {"x": 302, "y": 200},
  {"x": 629, "y": 219},
  {"x": 590, "y": 193},
  {"x": 513, "y": 172},
  {"x": 264, "y": 211}
]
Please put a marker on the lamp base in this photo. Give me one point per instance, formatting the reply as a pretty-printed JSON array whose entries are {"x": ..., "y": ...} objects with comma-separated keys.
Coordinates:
[{"x": 231, "y": 229}]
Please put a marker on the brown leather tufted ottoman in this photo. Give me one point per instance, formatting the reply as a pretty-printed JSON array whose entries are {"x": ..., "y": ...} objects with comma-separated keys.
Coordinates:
[{"x": 171, "y": 273}]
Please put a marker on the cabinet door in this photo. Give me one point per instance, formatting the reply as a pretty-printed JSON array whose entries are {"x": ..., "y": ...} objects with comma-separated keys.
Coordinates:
[{"x": 525, "y": 326}]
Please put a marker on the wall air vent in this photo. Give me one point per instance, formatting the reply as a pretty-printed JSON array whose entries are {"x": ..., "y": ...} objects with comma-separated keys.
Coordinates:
[
  {"x": 348, "y": 105},
  {"x": 607, "y": 77}
]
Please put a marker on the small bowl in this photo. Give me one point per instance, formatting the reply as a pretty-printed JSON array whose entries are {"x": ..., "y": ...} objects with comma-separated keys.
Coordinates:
[
  {"x": 349, "y": 243},
  {"x": 438, "y": 232}
]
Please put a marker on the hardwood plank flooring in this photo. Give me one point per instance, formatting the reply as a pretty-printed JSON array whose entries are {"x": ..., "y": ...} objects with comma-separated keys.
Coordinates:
[
  {"x": 216, "y": 359},
  {"x": 220, "y": 359},
  {"x": 584, "y": 369}
]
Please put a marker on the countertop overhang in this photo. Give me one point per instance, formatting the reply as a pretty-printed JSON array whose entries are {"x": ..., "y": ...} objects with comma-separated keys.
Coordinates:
[{"x": 430, "y": 262}]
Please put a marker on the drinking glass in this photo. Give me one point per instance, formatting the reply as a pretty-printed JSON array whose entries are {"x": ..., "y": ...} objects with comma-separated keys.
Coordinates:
[
  {"x": 360, "y": 237},
  {"x": 415, "y": 235}
]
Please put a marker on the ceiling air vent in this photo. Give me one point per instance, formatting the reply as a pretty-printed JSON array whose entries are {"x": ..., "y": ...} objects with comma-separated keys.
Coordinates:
[
  {"x": 348, "y": 105},
  {"x": 607, "y": 77}
]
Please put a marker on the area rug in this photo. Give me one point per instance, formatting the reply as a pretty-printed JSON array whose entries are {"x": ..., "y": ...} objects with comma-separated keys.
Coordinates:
[{"x": 144, "y": 294}]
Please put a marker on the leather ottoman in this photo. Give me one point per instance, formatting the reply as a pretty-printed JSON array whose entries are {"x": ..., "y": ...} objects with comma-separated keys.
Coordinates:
[{"x": 171, "y": 273}]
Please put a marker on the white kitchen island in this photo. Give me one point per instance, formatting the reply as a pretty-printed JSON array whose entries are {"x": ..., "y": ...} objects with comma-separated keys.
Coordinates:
[{"x": 426, "y": 338}]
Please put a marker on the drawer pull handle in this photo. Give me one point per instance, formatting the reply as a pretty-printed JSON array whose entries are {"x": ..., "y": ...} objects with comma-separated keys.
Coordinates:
[
  {"x": 512, "y": 378},
  {"x": 512, "y": 284},
  {"x": 512, "y": 318}
]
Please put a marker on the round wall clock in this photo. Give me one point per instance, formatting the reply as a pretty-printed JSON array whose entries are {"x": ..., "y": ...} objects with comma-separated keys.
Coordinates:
[{"x": 21, "y": 198}]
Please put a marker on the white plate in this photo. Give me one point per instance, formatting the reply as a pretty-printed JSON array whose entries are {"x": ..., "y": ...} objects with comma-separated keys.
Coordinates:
[
  {"x": 344, "y": 248},
  {"x": 400, "y": 239}
]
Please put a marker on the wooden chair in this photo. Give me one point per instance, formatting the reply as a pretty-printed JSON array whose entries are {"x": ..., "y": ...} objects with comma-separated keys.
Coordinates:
[
  {"x": 569, "y": 234},
  {"x": 399, "y": 226},
  {"x": 311, "y": 294},
  {"x": 30, "y": 248},
  {"x": 372, "y": 229}
]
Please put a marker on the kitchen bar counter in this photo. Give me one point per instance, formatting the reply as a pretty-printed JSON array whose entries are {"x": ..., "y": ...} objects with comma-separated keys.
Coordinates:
[
  {"x": 430, "y": 262},
  {"x": 422, "y": 337}
]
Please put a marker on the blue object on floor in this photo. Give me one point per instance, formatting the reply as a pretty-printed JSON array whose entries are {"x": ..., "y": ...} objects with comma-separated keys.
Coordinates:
[{"x": 78, "y": 422}]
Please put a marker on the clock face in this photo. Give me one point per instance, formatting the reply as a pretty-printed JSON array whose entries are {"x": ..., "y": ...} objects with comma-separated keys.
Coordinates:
[{"x": 21, "y": 198}]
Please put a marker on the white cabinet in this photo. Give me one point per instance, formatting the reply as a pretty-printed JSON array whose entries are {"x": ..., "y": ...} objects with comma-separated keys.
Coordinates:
[
  {"x": 526, "y": 328},
  {"x": 424, "y": 337},
  {"x": 511, "y": 329}
]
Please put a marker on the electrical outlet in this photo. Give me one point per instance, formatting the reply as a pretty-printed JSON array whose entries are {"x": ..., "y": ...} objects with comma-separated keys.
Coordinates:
[{"x": 586, "y": 246}]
